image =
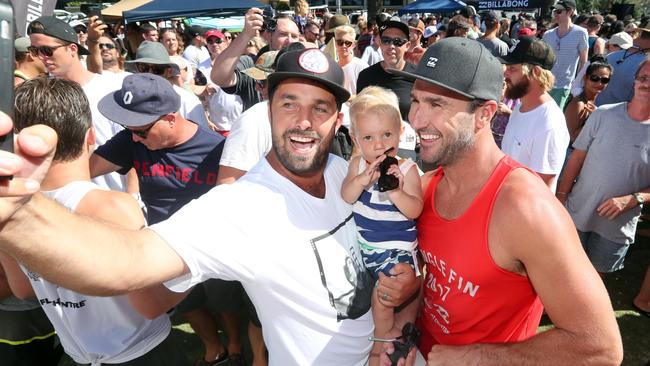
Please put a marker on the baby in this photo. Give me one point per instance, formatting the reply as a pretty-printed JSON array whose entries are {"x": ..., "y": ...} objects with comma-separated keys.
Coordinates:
[{"x": 385, "y": 219}]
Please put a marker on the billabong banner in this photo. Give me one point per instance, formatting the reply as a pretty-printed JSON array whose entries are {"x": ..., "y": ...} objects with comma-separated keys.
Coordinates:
[{"x": 27, "y": 10}]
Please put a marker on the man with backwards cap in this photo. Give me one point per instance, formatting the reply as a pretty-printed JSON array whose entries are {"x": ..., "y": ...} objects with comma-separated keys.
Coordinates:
[
  {"x": 491, "y": 266},
  {"x": 55, "y": 43},
  {"x": 297, "y": 255}
]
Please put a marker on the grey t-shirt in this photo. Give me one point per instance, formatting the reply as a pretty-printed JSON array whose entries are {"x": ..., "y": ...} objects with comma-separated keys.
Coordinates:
[
  {"x": 496, "y": 46},
  {"x": 617, "y": 164},
  {"x": 567, "y": 52}
]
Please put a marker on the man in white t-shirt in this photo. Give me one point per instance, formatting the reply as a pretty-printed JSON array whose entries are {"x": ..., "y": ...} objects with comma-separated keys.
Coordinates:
[
  {"x": 55, "y": 43},
  {"x": 536, "y": 136},
  {"x": 195, "y": 52},
  {"x": 297, "y": 255}
]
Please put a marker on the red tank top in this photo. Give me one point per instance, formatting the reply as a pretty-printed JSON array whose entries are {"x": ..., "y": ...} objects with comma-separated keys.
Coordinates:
[{"x": 467, "y": 297}]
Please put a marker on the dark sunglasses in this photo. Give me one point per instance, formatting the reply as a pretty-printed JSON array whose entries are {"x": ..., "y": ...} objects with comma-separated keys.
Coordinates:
[
  {"x": 599, "y": 79},
  {"x": 341, "y": 42},
  {"x": 141, "y": 133},
  {"x": 81, "y": 30},
  {"x": 214, "y": 40},
  {"x": 154, "y": 69},
  {"x": 46, "y": 51},
  {"x": 228, "y": 37},
  {"x": 558, "y": 11},
  {"x": 397, "y": 42},
  {"x": 108, "y": 46}
]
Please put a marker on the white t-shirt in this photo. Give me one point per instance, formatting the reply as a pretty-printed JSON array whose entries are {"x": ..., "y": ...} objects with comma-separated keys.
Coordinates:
[
  {"x": 224, "y": 108},
  {"x": 371, "y": 55},
  {"x": 196, "y": 55},
  {"x": 538, "y": 139},
  {"x": 99, "y": 86},
  {"x": 296, "y": 255},
  {"x": 249, "y": 139},
  {"x": 95, "y": 330},
  {"x": 351, "y": 72},
  {"x": 191, "y": 107}
]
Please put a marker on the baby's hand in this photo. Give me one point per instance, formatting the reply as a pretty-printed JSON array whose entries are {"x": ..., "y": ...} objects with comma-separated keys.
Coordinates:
[
  {"x": 395, "y": 171},
  {"x": 371, "y": 174}
]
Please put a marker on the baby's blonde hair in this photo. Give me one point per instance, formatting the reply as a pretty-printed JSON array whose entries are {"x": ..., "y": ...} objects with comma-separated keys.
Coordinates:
[{"x": 375, "y": 99}]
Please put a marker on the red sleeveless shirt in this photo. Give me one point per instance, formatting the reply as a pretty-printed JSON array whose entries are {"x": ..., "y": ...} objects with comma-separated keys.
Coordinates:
[{"x": 468, "y": 298}]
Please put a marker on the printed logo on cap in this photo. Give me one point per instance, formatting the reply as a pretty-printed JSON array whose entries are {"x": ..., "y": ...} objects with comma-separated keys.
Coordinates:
[
  {"x": 128, "y": 98},
  {"x": 432, "y": 62},
  {"x": 314, "y": 60}
]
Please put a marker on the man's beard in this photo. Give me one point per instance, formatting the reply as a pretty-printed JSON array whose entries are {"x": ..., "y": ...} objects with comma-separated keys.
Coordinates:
[
  {"x": 450, "y": 151},
  {"x": 302, "y": 164},
  {"x": 516, "y": 91}
]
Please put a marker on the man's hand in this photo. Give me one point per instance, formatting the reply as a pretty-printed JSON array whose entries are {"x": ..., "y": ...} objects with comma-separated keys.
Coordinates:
[
  {"x": 253, "y": 22},
  {"x": 395, "y": 290},
  {"x": 34, "y": 149},
  {"x": 96, "y": 29},
  {"x": 388, "y": 349},
  {"x": 615, "y": 206}
]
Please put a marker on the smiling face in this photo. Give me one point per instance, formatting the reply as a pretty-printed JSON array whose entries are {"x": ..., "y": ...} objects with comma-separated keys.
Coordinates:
[
  {"x": 285, "y": 32},
  {"x": 393, "y": 55},
  {"x": 442, "y": 121},
  {"x": 595, "y": 81},
  {"x": 170, "y": 42},
  {"x": 304, "y": 117}
]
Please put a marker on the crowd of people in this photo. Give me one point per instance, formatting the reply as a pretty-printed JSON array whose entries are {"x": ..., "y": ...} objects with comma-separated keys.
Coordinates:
[{"x": 330, "y": 183}]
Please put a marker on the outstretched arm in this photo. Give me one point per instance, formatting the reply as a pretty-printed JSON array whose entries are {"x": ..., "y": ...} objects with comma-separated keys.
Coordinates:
[
  {"x": 74, "y": 251},
  {"x": 223, "y": 66}
]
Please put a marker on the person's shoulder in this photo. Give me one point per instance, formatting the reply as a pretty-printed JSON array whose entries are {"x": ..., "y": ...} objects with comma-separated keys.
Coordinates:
[
  {"x": 115, "y": 207},
  {"x": 579, "y": 30}
]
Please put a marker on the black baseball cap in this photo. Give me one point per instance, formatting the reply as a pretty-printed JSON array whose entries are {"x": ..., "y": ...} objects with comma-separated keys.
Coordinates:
[
  {"x": 565, "y": 4},
  {"x": 311, "y": 64},
  {"x": 394, "y": 24},
  {"x": 461, "y": 65},
  {"x": 142, "y": 100},
  {"x": 532, "y": 51},
  {"x": 195, "y": 30},
  {"x": 54, "y": 27}
]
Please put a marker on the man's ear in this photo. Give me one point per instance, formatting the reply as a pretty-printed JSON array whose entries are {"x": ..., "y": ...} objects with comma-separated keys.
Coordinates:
[
  {"x": 485, "y": 114},
  {"x": 91, "y": 138}
]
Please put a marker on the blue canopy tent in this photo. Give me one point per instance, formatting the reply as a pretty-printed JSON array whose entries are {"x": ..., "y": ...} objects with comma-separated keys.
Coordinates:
[
  {"x": 165, "y": 9},
  {"x": 432, "y": 6}
]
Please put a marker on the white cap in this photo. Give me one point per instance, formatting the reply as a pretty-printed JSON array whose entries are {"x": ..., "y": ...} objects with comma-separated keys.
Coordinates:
[
  {"x": 622, "y": 40},
  {"x": 77, "y": 22},
  {"x": 429, "y": 31}
]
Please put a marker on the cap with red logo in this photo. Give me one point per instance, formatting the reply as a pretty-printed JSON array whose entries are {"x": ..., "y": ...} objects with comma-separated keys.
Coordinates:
[{"x": 310, "y": 64}]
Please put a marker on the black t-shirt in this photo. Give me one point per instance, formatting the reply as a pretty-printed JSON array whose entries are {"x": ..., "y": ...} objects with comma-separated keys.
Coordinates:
[
  {"x": 169, "y": 178},
  {"x": 245, "y": 85},
  {"x": 377, "y": 76}
]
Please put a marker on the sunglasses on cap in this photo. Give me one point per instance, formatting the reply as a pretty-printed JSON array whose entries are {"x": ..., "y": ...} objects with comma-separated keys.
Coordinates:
[
  {"x": 141, "y": 133},
  {"x": 599, "y": 79},
  {"x": 154, "y": 69},
  {"x": 46, "y": 51},
  {"x": 213, "y": 40},
  {"x": 397, "y": 42},
  {"x": 108, "y": 46},
  {"x": 341, "y": 42}
]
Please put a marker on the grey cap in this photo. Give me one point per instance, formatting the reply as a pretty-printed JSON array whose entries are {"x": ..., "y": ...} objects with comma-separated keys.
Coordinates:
[
  {"x": 142, "y": 100},
  {"x": 153, "y": 53},
  {"x": 57, "y": 28},
  {"x": 21, "y": 44},
  {"x": 478, "y": 76}
]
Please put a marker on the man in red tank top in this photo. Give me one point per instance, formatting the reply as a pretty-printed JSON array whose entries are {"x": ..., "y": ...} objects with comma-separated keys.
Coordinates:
[{"x": 490, "y": 265}]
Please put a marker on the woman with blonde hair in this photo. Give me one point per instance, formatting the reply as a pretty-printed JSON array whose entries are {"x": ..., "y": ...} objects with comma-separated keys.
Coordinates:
[
  {"x": 345, "y": 42},
  {"x": 301, "y": 10}
]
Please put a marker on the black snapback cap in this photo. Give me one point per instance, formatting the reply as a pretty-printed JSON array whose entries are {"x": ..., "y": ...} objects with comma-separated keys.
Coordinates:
[
  {"x": 532, "y": 51},
  {"x": 54, "y": 27},
  {"x": 310, "y": 63},
  {"x": 461, "y": 65},
  {"x": 394, "y": 24}
]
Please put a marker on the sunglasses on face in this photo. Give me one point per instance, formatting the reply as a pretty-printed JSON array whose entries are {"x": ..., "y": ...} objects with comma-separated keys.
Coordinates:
[
  {"x": 141, "y": 133},
  {"x": 80, "y": 30},
  {"x": 228, "y": 37},
  {"x": 342, "y": 42},
  {"x": 108, "y": 46},
  {"x": 599, "y": 79},
  {"x": 215, "y": 40},
  {"x": 558, "y": 11},
  {"x": 643, "y": 79},
  {"x": 397, "y": 42},
  {"x": 154, "y": 69},
  {"x": 46, "y": 51}
]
